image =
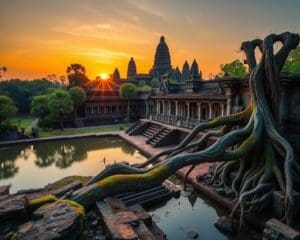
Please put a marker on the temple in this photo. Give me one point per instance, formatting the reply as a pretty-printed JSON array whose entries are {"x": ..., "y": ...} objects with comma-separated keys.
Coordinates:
[{"x": 183, "y": 98}]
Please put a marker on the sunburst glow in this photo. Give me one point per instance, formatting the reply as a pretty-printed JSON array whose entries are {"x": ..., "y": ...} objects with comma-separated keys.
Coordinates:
[{"x": 104, "y": 76}]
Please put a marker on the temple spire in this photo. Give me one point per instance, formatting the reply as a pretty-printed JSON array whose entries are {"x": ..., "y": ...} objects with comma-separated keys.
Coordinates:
[
  {"x": 195, "y": 74},
  {"x": 185, "y": 71},
  {"x": 131, "y": 70},
  {"x": 116, "y": 75},
  {"x": 162, "y": 59}
]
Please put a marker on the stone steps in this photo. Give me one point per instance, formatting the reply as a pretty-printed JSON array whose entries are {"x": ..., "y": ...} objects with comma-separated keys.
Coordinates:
[
  {"x": 124, "y": 215},
  {"x": 127, "y": 223},
  {"x": 151, "y": 131},
  {"x": 133, "y": 126},
  {"x": 156, "y": 139}
]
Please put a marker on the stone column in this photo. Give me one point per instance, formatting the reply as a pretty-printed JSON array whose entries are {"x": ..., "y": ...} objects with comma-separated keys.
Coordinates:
[
  {"x": 188, "y": 110},
  {"x": 199, "y": 110},
  {"x": 222, "y": 109},
  {"x": 210, "y": 110},
  {"x": 157, "y": 107},
  {"x": 147, "y": 109},
  {"x": 176, "y": 109},
  {"x": 229, "y": 100},
  {"x": 165, "y": 108},
  {"x": 169, "y": 110}
]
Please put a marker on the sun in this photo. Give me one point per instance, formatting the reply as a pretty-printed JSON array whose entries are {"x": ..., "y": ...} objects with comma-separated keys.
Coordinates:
[{"x": 104, "y": 76}]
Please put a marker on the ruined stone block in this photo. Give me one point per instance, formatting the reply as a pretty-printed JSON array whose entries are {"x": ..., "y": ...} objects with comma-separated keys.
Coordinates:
[
  {"x": 4, "y": 190},
  {"x": 12, "y": 207},
  {"x": 126, "y": 217},
  {"x": 141, "y": 214},
  {"x": 58, "y": 220},
  {"x": 276, "y": 230}
]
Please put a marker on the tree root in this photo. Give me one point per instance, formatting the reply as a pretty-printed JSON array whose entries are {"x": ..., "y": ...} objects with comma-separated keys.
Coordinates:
[{"x": 264, "y": 160}]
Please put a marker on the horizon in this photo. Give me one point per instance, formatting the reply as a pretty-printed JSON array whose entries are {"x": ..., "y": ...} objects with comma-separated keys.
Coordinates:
[{"x": 44, "y": 37}]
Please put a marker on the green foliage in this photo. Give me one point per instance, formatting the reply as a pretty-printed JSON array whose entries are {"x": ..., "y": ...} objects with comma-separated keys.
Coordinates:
[
  {"x": 234, "y": 69},
  {"x": 78, "y": 95},
  {"x": 128, "y": 91},
  {"x": 125, "y": 121},
  {"x": 174, "y": 81},
  {"x": 39, "y": 107},
  {"x": 144, "y": 89},
  {"x": 155, "y": 83},
  {"x": 60, "y": 104},
  {"x": 141, "y": 83},
  {"x": 292, "y": 63},
  {"x": 22, "y": 91},
  {"x": 7, "y": 108}
]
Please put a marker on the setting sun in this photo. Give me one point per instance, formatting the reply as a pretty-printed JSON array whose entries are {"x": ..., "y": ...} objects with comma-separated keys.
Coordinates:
[{"x": 104, "y": 76}]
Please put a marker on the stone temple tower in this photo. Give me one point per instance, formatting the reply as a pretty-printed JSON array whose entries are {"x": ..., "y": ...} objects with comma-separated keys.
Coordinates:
[
  {"x": 131, "y": 70},
  {"x": 162, "y": 59}
]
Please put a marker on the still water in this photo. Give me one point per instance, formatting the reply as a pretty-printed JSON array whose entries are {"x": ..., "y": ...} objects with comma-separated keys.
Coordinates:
[{"x": 34, "y": 166}]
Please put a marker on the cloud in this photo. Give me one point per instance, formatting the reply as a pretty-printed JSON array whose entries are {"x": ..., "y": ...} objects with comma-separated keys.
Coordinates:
[{"x": 116, "y": 31}]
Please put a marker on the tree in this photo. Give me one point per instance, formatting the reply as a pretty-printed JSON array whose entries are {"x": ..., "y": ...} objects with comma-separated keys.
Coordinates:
[
  {"x": 2, "y": 70},
  {"x": 155, "y": 83},
  {"x": 292, "y": 63},
  {"x": 62, "y": 80},
  {"x": 78, "y": 97},
  {"x": 40, "y": 108},
  {"x": 60, "y": 104},
  {"x": 249, "y": 141},
  {"x": 77, "y": 75},
  {"x": 7, "y": 108},
  {"x": 234, "y": 69},
  {"x": 22, "y": 91},
  {"x": 128, "y": 91},
  {"x": 141, "y": 83}
]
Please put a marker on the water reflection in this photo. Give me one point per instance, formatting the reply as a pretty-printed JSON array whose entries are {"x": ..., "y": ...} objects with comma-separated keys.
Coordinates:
[{"x": 92, "y": 153}]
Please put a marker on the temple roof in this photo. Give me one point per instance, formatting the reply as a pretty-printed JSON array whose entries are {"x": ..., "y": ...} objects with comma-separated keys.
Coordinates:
[
  {"x": 131, "y": 70},
  {"x": 116, "y": 75},
  {"x": 185, "y": 71},
  {"x": 195, "y": 69},
  {"x": 162, "y": 58}
]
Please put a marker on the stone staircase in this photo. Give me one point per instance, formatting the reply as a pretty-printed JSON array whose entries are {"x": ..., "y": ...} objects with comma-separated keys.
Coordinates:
[
  {"x": 151, "y": 131},
  {"x": 125, "y": 218},
  {"x": 138, "y": 128},
  {"x": 134, "y": 125},
  {"x": 157, "y": 139}
]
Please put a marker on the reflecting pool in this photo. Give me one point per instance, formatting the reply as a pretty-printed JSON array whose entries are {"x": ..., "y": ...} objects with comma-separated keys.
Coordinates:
[
  {"x": 36, "y": 165},
  {"x": 193, "y": 212}
]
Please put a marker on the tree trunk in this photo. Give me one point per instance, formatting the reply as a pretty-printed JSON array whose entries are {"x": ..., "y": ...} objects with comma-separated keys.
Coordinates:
[
  {"x": 128, "y": 110},
  {"x": 43, "y": 122},
  {"x": 61, "y": 119},
  {"x": 1, "y": 120},
  {"x": 75, "y": 111}
]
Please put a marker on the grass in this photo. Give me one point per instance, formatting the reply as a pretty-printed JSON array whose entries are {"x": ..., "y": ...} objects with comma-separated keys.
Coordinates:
[
  {"x": 23, "y": 122},
  {"x": 73, "y": 131},
  {"x": 26, "y": 121}
]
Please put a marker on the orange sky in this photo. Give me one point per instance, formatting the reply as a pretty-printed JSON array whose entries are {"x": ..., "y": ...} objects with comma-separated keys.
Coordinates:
[{"x": 42, "y": 37}]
